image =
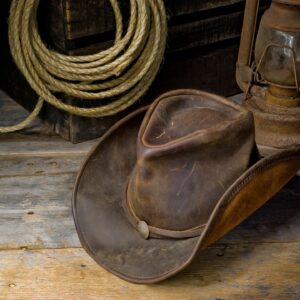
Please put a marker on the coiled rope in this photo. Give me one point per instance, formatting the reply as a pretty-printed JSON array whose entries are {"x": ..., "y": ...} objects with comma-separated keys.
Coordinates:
[{"x": 123, "y": 72}]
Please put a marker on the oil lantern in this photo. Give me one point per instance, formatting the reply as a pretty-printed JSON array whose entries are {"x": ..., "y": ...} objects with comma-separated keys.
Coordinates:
[{"x": 268, "y": 71}]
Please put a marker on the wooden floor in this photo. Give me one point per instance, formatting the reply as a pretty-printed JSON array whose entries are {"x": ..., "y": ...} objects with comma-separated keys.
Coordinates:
[{"x": 41, "y": 257}]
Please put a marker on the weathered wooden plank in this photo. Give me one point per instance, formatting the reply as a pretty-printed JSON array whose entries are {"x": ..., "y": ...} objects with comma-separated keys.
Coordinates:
[
  {"x": 179, "y": 7},
  {"x": 36, "y": 229},
  {"x": 12, "y": 113},
  {"x": 53, "y": 12},
  {"x": 195, "y": 33},
  {"x": 265, "y": 271},
  {"x": 84, "y": 18},
  {"x": 36, "y": 193},
  {"x": 35, "y": 211},
  {"x": 47, "y": 147},
  {"x": 204, "y": 32},
  {"x": 32, "y": 165},
  {"x": 3, "y": 96}
]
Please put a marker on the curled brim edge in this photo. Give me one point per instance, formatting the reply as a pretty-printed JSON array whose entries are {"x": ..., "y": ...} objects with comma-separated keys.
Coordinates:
[{"x": 112, "y": 242}]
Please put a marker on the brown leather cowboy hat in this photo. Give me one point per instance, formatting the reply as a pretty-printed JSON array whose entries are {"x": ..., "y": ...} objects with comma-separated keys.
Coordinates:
[{"x": 166, "y": 182}]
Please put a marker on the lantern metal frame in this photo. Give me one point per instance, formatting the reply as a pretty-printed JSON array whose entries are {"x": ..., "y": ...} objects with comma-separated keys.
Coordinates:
[{"x": 277, "y": 126}]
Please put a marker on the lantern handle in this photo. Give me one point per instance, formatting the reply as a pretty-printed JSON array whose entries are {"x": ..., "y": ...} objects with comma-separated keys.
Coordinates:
[{"x": 243, "y": 68}]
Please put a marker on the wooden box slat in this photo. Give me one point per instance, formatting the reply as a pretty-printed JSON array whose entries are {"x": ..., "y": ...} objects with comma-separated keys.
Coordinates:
[
  {"x": 92, "y": 22},
  {"x": 204, "y": 32},
  {"x": 180, "y": 70},
  {"x": 92, "y": 17}
]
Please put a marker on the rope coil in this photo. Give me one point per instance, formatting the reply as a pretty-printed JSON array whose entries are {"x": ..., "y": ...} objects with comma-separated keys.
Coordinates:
[{"x": 125, "y": 71}]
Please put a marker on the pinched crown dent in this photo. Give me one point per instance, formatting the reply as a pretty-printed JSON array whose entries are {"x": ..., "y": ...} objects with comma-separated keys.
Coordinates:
[{"x": 191, "y": 148}]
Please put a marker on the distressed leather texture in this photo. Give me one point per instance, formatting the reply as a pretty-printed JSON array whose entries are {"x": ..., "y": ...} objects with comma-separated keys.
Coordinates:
[
  {"x": 187, "y": 167},
  {"x": 190, "y": 149}
]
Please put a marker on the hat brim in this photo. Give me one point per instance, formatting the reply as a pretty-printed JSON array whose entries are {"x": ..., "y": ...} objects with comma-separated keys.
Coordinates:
[{"x": 110, "y": 239}]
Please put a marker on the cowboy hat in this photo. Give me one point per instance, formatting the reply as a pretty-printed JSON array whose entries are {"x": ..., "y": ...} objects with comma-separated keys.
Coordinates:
[{"x": 169, "y": 180}]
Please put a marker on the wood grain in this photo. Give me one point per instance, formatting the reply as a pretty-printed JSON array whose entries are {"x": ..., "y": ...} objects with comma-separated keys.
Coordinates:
[
  {"x": 265, "y": 271},
  {"x": 12, "y": 113},
  {"x": 41, "y": 257},
  {"x": 85, "y": 18},
  {"x": 35, "y": 208},
  {"x": 35, "y": 212},
  {"x": 34, "y": 165},
  {"x": 46, "y": 147},
  {"x": 204, "y": 32},
  {"x": 42, "y": 193}
]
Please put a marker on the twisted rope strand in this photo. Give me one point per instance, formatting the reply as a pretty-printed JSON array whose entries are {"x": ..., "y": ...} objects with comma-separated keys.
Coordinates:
[{"x": 125, "y": 70}]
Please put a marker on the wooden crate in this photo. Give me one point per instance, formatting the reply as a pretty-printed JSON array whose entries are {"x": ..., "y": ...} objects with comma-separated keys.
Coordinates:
[{"x": 203, "y": 38}]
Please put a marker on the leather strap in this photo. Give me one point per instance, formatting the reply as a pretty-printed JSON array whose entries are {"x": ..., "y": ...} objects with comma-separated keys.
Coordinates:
[{"x": 153, "y": 231}]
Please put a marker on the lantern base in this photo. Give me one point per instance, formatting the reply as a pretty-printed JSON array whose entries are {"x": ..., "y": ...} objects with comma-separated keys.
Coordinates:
[{"x": 276, "y": 127}]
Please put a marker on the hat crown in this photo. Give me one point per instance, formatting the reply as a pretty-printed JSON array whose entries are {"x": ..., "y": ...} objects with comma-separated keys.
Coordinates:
[{"x": 190, "y": 149}]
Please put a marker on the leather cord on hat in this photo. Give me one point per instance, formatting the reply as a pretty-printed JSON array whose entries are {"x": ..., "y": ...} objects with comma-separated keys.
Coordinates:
[{"x": 156, "y": 232}]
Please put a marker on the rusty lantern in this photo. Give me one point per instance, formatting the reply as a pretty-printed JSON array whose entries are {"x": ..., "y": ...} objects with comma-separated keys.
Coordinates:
[{"x": 268, "y": 71}]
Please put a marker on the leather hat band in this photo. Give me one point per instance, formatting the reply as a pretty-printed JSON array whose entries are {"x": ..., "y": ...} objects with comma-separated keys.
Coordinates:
[{"x": 147, "y": 230}]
